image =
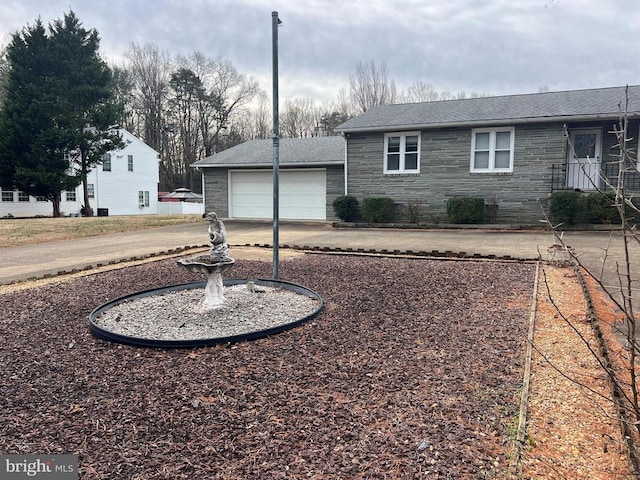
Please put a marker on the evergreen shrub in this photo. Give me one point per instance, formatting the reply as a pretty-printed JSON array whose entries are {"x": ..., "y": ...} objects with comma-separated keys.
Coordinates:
[
  {"x": 567, "y": 207},
  {"x": 346, "y": 208},
  {"x": 466, "y": 210},
  {"x": 377, "y": 210}
]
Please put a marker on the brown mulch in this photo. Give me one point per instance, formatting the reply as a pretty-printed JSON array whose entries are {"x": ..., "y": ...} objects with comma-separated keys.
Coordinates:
[
  {"x": 412, "y": 371},
  {"x": 573, "y": 429}
]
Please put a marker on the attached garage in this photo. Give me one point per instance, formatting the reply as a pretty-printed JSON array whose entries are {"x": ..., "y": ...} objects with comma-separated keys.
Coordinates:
[
  {"x": 302, "y": 194},
  {"x": 238, "y": 182}
]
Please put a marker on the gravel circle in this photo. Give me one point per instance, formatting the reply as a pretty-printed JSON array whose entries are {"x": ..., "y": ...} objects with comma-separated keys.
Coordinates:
[{"x": 180, "y": 315}]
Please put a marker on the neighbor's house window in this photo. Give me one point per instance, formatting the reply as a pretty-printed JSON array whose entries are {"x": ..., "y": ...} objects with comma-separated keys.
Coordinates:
[
  {"x": 130, "y": 163},
  {"x": 106, "y": 162},
  {"x": 40, "y": 198},
  {"x": 143, "y": 198},
  {"x": 23, "y": 197},
  {"x": 70, "y": 196},
  {"x": 492, "y": 149},
  {"x": 402, "y": 152},
  {"x": 91, "y": 190},
  {"x": 7, "y": 196}
]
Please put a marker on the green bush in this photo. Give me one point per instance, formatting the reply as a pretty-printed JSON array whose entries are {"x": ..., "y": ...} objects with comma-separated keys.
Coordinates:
[
  {"x": 601, "y": 209},
  {"x": 566, "y": 206},
  {"x": 346, "y": 208},
  {"x": 466, "y": 210},
  {"x": 377, "y": 210}
]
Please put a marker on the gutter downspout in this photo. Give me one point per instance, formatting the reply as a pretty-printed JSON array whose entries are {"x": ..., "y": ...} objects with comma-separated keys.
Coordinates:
[
  {"x": 346, "y": 169},
  {"x": 204, "y": 198}
]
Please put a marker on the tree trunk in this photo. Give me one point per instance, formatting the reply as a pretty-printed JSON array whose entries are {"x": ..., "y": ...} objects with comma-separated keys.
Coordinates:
[
  {"x": 56, "y": 206},
  {"x": 86, "y": 211}
]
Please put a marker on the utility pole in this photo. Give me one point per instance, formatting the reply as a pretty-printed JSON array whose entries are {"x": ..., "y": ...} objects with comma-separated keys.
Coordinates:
[{"x": 275, "y": 21}]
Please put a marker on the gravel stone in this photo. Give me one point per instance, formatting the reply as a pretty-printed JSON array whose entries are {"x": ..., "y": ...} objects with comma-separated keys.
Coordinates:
[{"x": 180, "y": 315}]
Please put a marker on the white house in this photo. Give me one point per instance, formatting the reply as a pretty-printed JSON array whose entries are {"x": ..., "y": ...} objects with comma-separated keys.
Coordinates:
[{"x": 125, "y": 184}]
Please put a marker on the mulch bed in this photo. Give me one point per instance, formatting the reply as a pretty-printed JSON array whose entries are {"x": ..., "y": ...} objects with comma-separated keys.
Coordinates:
[{"x": 412, "y": 370}]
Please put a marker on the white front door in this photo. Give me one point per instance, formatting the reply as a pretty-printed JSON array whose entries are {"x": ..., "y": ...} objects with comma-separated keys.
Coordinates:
[{"x": 583, "y": 165}]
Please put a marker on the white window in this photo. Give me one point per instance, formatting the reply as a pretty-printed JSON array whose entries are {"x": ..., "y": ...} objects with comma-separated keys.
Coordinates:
[
  {"x": 91, "y": 190},
  {"x": 143, "y": 198},
  {"x": 70, "y": 196},
  {"x": 402, "y": 152},
  {"x": 130, "y": 163},
  {"x": 492, "y": 149},
  {"x": 23, "y": 197},
  {"x": 106, "y": 162},
  {"x": 7, "y": 196}
]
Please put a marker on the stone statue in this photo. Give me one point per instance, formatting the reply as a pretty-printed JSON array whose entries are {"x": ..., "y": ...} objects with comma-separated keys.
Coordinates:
[
  {"x": 217, "y": 238},
  {"x": 214, "y": 264}
]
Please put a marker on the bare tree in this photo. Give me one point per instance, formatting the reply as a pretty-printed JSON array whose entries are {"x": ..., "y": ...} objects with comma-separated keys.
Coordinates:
[
  {"x": 622, "y": 371},
  {"x": 150, "y": 71},
  {"x": 299, "y": 118},
  {"x": 421, "y": 92},
  {"x": 235, "y": 92},
  {"x": 124, "y": 93},
  {"x": 254, "y": 122},
  {"x": 370, "y": 86},
  {"x": 426, "y": 92},
  {"x": 187, "y": 95}
]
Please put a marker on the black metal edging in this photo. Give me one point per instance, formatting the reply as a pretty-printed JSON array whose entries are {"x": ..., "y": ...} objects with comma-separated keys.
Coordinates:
[{"x": 108, "y": 335}]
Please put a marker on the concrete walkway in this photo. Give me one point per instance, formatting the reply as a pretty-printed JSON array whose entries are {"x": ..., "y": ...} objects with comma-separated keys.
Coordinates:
[{"x": 36, "y": 261}]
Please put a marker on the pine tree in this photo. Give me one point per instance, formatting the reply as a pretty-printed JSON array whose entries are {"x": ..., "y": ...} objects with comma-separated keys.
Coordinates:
[{"x": 59, "y": 115}]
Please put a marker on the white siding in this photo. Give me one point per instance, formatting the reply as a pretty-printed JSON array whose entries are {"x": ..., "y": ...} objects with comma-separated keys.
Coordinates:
[{"x": 116, "y": 190}]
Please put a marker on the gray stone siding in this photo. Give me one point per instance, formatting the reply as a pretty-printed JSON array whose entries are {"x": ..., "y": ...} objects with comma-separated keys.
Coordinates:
[
  {"x": 335, "y": 188},
  {"x": 216, "y": 191},
  {"x": 445, "y": 156}
]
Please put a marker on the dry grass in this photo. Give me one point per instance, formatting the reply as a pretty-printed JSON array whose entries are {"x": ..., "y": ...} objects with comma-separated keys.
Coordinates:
[{"x": 14, "y": 232}]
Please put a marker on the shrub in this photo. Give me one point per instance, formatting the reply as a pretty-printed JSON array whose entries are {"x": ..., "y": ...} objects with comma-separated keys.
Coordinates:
[
  {"x": 600, "y": 207},
  {"x": 566, "y": 206},
  {"x": 413, "y": 210},
  {"x": 346, "y": 208},
  {"x": 466, "y": 210},
  {"x": 377, "y": 209}
]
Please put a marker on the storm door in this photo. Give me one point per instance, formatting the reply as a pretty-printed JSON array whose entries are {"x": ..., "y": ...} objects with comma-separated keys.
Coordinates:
[{"x": 583, "y": 164}]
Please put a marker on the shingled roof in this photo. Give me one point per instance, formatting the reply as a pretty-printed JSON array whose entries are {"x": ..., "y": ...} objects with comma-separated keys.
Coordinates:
[
  {"x": 307, "y": 151},
  {"x": 575, "y": 105}
]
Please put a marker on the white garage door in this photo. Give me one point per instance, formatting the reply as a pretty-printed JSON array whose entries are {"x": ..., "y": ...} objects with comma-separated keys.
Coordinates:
[{"x": 302, "y": 195}]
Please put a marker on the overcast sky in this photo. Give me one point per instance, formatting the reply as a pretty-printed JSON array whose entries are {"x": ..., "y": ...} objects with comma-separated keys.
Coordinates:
[{"x": 488, "y": 46}]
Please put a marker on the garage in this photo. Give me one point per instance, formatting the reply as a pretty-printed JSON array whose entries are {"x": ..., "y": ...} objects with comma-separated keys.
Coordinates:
[{"x": 302, "y": 194}]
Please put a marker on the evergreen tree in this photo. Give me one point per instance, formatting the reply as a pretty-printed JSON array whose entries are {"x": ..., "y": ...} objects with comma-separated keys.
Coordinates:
[{"x": 59, "y": 115}]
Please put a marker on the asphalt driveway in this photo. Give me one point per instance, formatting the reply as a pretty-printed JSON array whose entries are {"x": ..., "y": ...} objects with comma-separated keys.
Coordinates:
[{"x": 35, "y": 261}]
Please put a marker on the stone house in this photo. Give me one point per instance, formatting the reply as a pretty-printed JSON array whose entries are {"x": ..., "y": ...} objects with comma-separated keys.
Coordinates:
[{"x": 513, "y": 151}]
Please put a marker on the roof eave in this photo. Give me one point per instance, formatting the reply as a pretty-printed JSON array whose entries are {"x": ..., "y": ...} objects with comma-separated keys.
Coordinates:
[
  {"x": 268, "y": 164},
  {"x": 478, "y": 123}
]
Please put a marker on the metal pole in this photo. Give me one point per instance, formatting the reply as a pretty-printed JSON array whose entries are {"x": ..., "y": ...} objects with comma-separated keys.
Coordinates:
[{"x": 275, "y": 21}]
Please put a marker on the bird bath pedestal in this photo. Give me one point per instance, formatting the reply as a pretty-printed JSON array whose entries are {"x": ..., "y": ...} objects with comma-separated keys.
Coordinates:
[
  {"x": 213, "y": 267},
  {"x": 143, "y": 318}
]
